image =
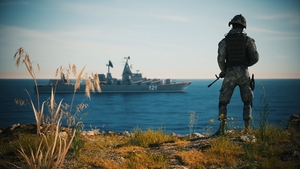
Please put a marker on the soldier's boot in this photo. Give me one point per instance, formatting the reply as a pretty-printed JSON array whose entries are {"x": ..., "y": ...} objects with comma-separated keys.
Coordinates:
[
  {"x": 221, "y": 130},
  {"x": 247, "y": 116},
  {"x": 222, "y": 118}
]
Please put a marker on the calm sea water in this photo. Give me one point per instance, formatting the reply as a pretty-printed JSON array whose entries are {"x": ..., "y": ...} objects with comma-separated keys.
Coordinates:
[{"x": 120, "y": 112}]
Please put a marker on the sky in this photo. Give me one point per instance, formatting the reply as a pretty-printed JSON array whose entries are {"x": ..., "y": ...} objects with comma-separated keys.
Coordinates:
[{"x": 175, "y": 39}]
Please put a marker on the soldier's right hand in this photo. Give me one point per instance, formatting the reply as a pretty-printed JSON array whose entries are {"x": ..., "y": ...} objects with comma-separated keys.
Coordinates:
[{"x": 222, "y": 74}]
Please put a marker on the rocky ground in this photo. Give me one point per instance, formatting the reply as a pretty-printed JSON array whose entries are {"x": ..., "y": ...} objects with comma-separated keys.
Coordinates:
[{"x": 199, "y": 143}]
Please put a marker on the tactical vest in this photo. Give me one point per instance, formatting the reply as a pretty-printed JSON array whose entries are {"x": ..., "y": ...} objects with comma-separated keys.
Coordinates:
[{"x": 236, "y": 50}]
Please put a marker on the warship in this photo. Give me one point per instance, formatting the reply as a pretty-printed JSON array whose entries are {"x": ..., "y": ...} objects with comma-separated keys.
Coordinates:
[{"x": 130, "y": 83}]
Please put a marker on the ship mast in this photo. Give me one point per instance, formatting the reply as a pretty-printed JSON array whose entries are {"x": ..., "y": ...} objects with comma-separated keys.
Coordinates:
[
  {"x": 127, "y": 58},
  {"x": 109, "y": 65},
  {"x": 108, "y": 75},
  {"x": 126, "y": 75}
]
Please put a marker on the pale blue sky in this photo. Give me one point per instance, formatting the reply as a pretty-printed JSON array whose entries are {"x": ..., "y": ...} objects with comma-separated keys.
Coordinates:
[{"x": 164, "y": 38}]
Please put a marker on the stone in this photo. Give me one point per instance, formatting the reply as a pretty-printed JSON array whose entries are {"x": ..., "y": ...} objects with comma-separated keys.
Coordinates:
[
  {"x": 15, "y": 126},
  {"x": 245, "y": 138},
  {"x": 293, "y": 123},
  {"x": 197, "y": 135},
  {"x": 90, "y": 133},
  {"x": 291, "y": 155},
  {"x": 126, "y": 133},
  {"x": 83, "y": 133},
  {"x": 96, "y": 131}
]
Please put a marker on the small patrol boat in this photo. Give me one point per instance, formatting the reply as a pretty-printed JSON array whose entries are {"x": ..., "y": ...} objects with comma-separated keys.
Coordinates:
[{"x": 130, "y": 83}]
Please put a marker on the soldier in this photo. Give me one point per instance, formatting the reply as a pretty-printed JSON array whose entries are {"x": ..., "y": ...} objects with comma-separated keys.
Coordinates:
[{"x": 236, "y": 52}]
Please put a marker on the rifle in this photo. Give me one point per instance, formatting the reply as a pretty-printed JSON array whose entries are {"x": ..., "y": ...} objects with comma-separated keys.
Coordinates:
[
  {"x": 214, "y": 81},
  {"x": 252, "y": 82}
]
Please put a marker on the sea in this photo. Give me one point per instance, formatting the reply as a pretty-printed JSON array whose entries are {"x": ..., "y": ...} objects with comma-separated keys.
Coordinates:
[{"x": 195, "y": 110}]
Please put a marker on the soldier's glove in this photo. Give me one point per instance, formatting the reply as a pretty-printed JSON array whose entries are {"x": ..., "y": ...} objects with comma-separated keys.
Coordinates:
[{"x": 222, "y": 74}]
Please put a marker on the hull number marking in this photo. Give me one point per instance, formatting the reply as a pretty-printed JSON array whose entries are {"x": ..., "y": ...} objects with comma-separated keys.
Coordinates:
[{"x": 152, "y": 87}]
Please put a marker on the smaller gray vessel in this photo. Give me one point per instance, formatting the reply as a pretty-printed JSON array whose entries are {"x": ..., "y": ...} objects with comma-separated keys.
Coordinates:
[{"x": 130, "y": 83}]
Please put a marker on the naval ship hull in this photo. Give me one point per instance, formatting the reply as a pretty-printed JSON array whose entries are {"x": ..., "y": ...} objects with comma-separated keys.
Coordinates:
[
  {"x": 130, "y": 83},
  {"x": 165, "y": 88}
]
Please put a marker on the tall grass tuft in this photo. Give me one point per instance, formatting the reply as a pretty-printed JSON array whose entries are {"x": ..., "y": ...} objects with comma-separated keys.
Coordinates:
[
  {"x": 52, "y": 147},
  {"x": 21, "y": 55},
  {"x": 51, "y": 144},
  {"x": 263, "y": 115},
  {"x": 223, "y": 152},
  {"x": 193, "y": 123},
  {"x": 78, "y": 143},
  {"x": 149, "y": 137}
]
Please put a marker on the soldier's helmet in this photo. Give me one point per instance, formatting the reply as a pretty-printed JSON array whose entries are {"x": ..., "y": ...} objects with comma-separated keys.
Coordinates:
[{"x": 238, "y": 19}]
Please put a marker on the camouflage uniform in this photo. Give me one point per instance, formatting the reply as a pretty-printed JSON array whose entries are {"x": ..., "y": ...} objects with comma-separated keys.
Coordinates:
[
  {"x": 236, "y": 75},
  {"x": 236, "y": 53}
]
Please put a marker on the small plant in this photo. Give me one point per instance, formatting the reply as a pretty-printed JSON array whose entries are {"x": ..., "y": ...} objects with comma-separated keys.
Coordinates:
[
  {"x": 230, "y": 124},
  {"x": 193, "y": 122},
  {"x": 78, "y": 143},
  {"x": 263, "y": 115},
  {"x": 250, "y": 154},
  {"x": 209, "y": 129}
]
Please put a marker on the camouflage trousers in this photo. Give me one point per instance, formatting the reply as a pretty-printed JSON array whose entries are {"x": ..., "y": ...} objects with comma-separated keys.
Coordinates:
[{"x": 236, "y": 76}]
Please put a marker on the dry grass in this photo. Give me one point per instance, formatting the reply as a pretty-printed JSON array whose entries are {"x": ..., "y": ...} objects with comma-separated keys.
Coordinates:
[
  {"x": 177, "y": 142},
  {"x": 116, "y": 151},
  {"x": 224, "y": 152},
  {"x": 144, "y": 160},
  {"x": 127, "y": 151},
  {"x": 97, "y": 162},
  {"x": 51, "y": 148},
  {"x": 124, "y": 151},
  {"x": 193, "y": 158},
  {"x": 269, "y": 151},
  {"x": 149, "y": 137}
]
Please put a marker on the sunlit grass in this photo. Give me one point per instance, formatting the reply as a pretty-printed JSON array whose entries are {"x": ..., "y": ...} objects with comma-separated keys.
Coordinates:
[
  {"x": 195, "y": 159},
  {"x": 27, "y": 140},
  {"x": 136, "y": 151},
  {"x": 224, "y": 152},
  {"x": 144, "y": 160},
  {"x": 151, "y": 136},
  {"x": 96, "y": 161}
]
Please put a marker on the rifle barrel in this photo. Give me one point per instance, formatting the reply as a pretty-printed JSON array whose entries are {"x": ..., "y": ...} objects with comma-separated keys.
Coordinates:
[{"x": 214, "y": 81}]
